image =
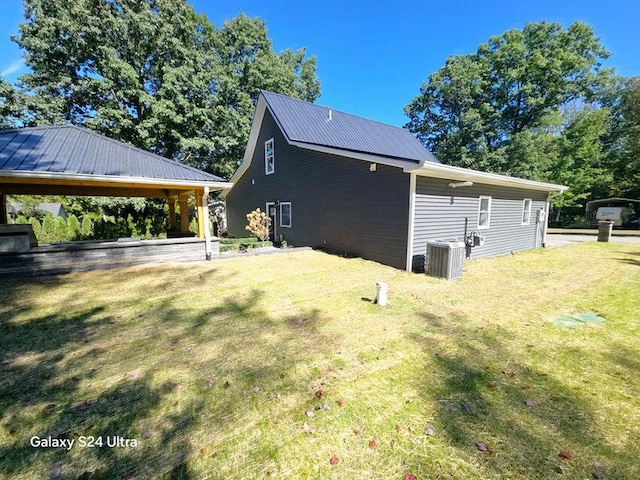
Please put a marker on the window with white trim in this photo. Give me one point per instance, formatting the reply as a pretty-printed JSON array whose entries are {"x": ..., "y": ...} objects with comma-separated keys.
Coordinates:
[
  {"x": 484, "y": 212},
  {"x": 285, "y": 214},
  {"x": 269, "y": 157},
  {"x": 526, "y": 211}
]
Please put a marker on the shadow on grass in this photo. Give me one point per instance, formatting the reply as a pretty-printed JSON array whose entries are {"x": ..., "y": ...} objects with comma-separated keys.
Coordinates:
[
  {"x": 629, "y": 258},
  {"x": 50, "y": 362},
  {"x": 524, "y": 415}
]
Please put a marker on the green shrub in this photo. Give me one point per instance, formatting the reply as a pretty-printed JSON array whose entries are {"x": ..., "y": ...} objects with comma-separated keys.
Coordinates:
[
  {"x": 36, "y": 226},
  {"x": 73, "y": 227},
  {"x": 225, "y": 241},
  {"x": 231, "y": 247},
  {"x": 48, "y": 230},
  {"x": 86, "y": 230},
  {"x": 59, "y": 230}
]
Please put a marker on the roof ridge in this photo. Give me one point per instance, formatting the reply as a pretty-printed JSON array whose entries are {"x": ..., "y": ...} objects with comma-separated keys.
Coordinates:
[{"x": 334, "y": 110}]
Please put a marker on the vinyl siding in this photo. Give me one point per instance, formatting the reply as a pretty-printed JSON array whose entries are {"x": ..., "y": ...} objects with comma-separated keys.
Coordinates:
[
  {"x": 440, "y": 214},
  {"x": 336, "y": 202}
]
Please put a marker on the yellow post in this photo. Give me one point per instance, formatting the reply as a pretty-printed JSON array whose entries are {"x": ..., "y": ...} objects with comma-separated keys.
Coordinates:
[
  {"x": 172, "y": 213},
  {"x": 184, "y": 213},
  {"x": 201, "y": 214}
]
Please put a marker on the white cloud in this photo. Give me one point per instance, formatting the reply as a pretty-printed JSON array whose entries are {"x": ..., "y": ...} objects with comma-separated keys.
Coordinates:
[{"x": 13, "y": 67}]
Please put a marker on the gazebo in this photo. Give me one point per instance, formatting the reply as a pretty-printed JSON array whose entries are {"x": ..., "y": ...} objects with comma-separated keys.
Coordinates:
[{"x": 69, "y": 160}]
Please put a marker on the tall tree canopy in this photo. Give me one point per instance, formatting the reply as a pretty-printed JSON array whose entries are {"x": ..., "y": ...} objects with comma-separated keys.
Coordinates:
[
  {"x": 476, "y": 105},
  {"x": 155, "y": 74},
  {"x": 8, "y": 104}
]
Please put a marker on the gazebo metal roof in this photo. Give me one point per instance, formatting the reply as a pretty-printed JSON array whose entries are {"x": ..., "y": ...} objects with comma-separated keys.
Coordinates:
[{"x": 74, "y": 161}]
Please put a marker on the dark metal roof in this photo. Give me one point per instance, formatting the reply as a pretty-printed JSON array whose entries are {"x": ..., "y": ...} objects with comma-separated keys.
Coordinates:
[
  {"x": 74, "y": 150},
  {"x": 309, "y": 123}
]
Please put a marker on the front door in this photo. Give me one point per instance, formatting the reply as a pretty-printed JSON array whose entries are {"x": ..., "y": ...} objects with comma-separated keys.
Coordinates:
[{"x": 271, "y": 216}]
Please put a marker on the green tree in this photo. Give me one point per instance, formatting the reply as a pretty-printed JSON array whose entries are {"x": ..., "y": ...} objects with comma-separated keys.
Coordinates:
[
  {"x": 48, "y": 230},
  {"x": 623, "y": 142},
  {"x": 86, "y": 229},
  {"x": 155, "y": 74},
  {"x": 581, "y": 159},
  {"x": 8, "y": 104},
  {"x": 73, "y": 227},
  {"x": 474, "y": 106}
]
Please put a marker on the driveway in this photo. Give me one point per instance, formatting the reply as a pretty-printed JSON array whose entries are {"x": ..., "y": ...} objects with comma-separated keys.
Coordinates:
[{"x": 560, "y": 239}]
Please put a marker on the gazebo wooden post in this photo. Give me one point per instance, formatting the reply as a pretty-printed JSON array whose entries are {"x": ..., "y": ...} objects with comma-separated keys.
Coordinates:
[
  {"x": 3, "y": 209},
  {"x": 184, "y": 212},
  {"x": 200, "y": 213},
  {"x": 172, "y": 213}
]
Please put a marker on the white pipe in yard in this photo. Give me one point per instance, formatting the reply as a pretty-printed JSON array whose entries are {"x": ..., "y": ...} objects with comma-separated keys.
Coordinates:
[{"x": 381, "y": 296}]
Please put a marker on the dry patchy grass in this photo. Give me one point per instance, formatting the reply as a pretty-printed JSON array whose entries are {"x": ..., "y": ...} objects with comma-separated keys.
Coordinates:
[{"x": 213, "y": 366}]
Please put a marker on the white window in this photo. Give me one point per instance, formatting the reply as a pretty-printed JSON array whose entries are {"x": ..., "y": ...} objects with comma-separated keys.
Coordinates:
[
  {"x": 526, "y": 211},
  {"x": 484, "y": 212},
  {"x": 285, "y": 214},
  {"x": 269, "y": 157}
]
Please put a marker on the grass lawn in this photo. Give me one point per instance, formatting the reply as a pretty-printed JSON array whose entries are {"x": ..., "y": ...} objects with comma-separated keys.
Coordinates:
[{"x": 272, "y": 366}]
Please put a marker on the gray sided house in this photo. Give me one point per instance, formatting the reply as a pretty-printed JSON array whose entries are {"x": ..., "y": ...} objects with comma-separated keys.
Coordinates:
[{"x": 334, "y": 180}]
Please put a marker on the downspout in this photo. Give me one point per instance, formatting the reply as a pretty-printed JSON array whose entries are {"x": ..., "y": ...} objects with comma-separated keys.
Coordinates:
[{"x": 411, "y": 223}]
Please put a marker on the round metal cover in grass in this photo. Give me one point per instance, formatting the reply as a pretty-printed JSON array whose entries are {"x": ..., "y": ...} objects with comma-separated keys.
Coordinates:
[{"x": 578, "y": 319}]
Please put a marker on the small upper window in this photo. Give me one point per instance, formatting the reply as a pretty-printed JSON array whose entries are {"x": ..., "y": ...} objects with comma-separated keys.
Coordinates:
[
  {"x": 285, "y": 214},
  {"x": 526, "y": 211},
  {"x": 269, "y": 157},
  {"x": 484, "y": 212}
]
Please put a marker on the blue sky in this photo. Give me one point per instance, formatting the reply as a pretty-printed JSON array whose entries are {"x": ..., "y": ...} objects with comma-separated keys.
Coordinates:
[{"x": 373, "y": 56}]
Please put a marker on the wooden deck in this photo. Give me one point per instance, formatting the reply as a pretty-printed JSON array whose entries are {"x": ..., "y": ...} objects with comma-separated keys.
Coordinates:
[{"x": 81, "y": 256}]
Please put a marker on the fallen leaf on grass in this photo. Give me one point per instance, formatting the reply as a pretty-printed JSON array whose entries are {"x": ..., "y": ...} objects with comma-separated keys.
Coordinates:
[
  {"x": 510, "y": 373},
  {"x": 373, "y": 444},
  {"x": 357, "y": 431},
  {"x": 82, "y": 406},
  {"x": 466, "y": 409},
  {"x": 309, "y": 414},
  {"x": 530, "y": 403},
  {"x": 308, "y": 428},
  {"x": 211, "y": 382},
  {"x": 318, "y": 394},
  {"x": 492, "y": 384},
  {"x": 522, "y": 471},
  {"x": 559, "y": 470},
  {"x": 410, "y": 476},
  {"x": 398, "y": 428},
  {"x": 317, "y": 407},
  {"x": 341, "y": 402},
  {"x": 566, "y": 454},
  {"x": 430, "y": 431},
  {"x": 483, "y": 447},
  {"x": 201, "y": 449},
  {"x": 334, "y": 461},
  {"x": 226, "y": 385},
  {"x": 256, "y": 389},
  {"x": 525, "y": 386},
  {"x": 49, "y": 408}
]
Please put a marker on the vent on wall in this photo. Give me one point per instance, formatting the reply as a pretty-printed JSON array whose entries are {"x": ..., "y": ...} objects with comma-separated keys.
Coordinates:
[{"x": 445, "y": 259}]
